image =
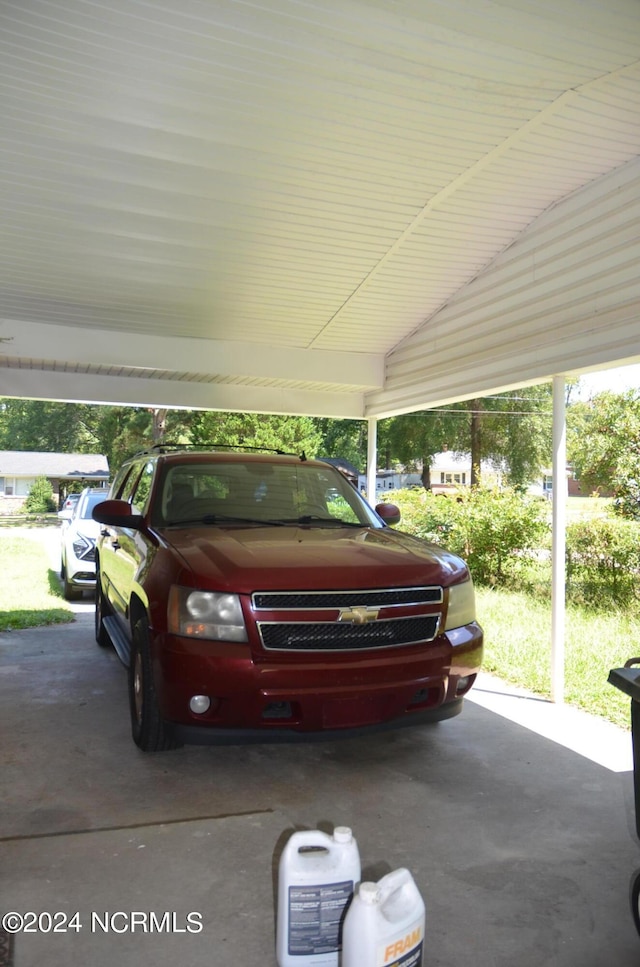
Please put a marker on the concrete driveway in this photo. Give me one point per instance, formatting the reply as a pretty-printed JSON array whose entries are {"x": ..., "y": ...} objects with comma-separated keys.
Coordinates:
[{"x": 523, "y": 848}]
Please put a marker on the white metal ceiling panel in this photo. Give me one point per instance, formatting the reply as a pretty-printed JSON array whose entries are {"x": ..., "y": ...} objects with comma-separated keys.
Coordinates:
[{"x": 319, "y": 180}]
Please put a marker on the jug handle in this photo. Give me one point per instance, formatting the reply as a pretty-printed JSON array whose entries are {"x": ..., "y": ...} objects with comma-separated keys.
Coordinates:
[
  {"x": 393, "y": 882},
  {"x": 309, "y": 838}
]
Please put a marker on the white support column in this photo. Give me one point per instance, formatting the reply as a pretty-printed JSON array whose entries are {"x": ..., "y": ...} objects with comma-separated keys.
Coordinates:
[
  {"x": 559, "y": 540},
  {"x": 372, "y": 459}
]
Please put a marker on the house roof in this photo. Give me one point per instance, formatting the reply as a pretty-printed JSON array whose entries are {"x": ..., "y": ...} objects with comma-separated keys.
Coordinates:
[
  {"x": 66, "y": 466},
  {"x": 343, "y": 209}
]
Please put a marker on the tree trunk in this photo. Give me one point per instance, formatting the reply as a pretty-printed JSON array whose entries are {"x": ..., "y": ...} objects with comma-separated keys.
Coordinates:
[
  {"x": 159, "y": 425},
  {"x": 426, "y": 474},
  {"x": 476, "y": 442}
]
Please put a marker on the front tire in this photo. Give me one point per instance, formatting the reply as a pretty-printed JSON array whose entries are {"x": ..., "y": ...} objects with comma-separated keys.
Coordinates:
[
  {"x": 70, "y": 593},
  {"x": 149, "y": 730},
  {"x": 634, "y": 897},
  {"x": 101, "y": 608}
]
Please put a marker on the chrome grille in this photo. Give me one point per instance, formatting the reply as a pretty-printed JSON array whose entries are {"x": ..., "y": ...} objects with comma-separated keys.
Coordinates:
[
  {"x": 317, "y": 600},
  {"x": 343, "y": 636}
]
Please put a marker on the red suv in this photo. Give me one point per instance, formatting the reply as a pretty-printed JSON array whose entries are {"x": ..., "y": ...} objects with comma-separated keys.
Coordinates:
[{"x": 258, "y": 595}]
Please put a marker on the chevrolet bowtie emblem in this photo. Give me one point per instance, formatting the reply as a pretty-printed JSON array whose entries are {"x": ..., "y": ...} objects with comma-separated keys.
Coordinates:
[{"x": 358, "y": 616}]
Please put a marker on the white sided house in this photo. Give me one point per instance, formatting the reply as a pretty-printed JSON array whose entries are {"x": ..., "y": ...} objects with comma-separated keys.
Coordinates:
[
  {"x": 450, "y": 471},
  {"x": 19, "y": 469}
]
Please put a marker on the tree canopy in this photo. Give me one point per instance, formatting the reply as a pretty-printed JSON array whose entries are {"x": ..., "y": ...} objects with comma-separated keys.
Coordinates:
[
  {"x": 512, "y": 431},
  {"x": 603, "y": 445}
]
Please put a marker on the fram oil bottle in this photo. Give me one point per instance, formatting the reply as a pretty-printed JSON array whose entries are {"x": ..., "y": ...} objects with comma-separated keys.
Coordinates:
[
  {"x": 316, "y": 879},
  {"x": 384, "y": 925}
]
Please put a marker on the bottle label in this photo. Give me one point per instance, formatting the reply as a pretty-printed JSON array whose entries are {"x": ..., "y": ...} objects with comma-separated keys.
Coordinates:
[
  {"x": 315, "y": 917},
  {"x": 404, "y": 952}
]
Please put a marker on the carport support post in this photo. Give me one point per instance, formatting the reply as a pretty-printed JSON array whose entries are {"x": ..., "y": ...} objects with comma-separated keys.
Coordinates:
[
  {"x": 559, "y": 539},
  {"x": 372, "y": 459}
]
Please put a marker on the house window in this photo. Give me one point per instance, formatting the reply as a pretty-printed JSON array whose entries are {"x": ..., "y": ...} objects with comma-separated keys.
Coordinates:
[
  {"x": 453, "y": 478},
  {"x": 547, "y": 483},
  {"x": 24, "y": 485},
  {"x": 8, "y": 486}
]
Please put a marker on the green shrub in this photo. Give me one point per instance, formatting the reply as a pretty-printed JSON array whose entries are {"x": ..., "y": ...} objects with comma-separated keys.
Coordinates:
[
  {"x": 603, "y": 561},
  {"x": 500, "y": 528},
  {"x": 40, "y": 499},
  {"x": 494, "y": 531},
  {"x": 425, "y": 515}
]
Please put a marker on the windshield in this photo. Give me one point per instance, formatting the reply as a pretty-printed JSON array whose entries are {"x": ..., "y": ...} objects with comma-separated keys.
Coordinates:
[
  {"x": 90, "y": 502},
  {"x": 272, "y": 494}
]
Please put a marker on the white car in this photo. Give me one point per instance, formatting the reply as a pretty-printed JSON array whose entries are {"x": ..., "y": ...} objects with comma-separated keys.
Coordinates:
[{"x": 78, "y": 544}]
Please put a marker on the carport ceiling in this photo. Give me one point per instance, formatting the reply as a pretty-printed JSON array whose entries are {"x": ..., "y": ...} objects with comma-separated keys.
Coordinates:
[{"x": 340, "y": 207}]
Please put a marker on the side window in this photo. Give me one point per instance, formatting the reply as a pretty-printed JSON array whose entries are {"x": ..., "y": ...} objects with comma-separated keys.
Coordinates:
[
  {"x": 143, "y": 489},
  {"x": 120, "y": 482},
  {"x": 126, "y": 491}
]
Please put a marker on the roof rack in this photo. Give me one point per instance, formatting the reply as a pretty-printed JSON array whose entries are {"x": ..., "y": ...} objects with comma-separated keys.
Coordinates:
[{"x": 200, "y": 447}]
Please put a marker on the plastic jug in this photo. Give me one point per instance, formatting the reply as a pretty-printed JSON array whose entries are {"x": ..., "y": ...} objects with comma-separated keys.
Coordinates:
[
  {"x": 385, "y": 924},
  {"x": 316, "y": 879}
]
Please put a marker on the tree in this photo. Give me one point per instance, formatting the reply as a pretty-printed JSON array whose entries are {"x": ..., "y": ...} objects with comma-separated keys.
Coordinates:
[
  {"x": 40, "y": 498},
  {"x": 48, "y": 427},
  {"x": 512, "y": 430},
  {"x": 293, "y": 434},
  {"x": 517, "y": 432},
  {"x": 343, "y": 438},
  {"x": 603, "y": 445},
  {"x": 414, "y": 439}
]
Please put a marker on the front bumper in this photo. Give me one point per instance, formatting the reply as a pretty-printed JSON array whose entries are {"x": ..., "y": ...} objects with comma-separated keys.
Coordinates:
[{"x": 265, "y": 695}]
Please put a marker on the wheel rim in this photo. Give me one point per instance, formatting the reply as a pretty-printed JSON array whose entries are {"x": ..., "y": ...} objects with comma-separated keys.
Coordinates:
[{"x": 137, "y": 687}]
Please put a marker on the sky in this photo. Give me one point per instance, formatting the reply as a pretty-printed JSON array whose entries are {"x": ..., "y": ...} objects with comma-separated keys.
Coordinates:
[{"x": 616, "y": 380}]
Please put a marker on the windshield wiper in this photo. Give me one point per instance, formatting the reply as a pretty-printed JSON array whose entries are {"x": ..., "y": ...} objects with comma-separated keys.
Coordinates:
[
  {"x": 317, "y": 519},
  {"x": 224, "y": 519}
]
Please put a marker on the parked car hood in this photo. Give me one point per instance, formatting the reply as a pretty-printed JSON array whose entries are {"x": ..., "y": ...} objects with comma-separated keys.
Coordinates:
[
  {"x": 246, "y": 559},
  {"x": 86, "y": 526}
]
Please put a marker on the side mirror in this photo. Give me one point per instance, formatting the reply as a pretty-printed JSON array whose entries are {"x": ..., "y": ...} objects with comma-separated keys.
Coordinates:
[
  {"x": 117, "y": 513},
  {"x": 389, "y": 513},
  {"x": 65, "y": 514}
]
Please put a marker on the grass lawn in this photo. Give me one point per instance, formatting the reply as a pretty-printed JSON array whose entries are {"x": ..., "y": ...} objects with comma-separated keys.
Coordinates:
[
  {"x": 587, "y": 507},
  {"x": 30, "y": 593},
  {"x": 517, "y": 630}
]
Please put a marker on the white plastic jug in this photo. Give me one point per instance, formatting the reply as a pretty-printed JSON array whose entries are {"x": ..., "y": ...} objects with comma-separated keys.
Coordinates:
[
  {"x": 316, "y": 879},
  {"x": 385, "y": 924}
]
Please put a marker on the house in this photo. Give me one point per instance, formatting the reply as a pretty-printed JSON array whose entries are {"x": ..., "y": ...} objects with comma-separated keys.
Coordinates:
[
  {"x": 19, "y": 469},
  {"x": 543, "y": 487},
  {"x": 449, "y": 471},
  {"x": 391, "y": 480}
]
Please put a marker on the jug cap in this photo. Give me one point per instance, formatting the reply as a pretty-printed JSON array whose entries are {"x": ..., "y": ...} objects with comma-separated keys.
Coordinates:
[
  {"x": 342, "y": 834},
  {"x": 369, "y": 892}
]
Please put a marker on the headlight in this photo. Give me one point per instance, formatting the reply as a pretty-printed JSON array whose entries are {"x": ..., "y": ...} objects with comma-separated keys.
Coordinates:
[
  {"x": 206, "y": 614},
  {"x": 82, "y": 544},
  {"x": 462, "y": 605}
]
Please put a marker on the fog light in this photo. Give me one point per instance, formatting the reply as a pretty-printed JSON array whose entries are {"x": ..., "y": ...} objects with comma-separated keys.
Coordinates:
[
  {"x": 199, "y": 704},
  {"x": 464, "y": 684}
]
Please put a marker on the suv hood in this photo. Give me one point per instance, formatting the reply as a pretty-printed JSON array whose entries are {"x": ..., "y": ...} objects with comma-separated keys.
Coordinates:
[{"x": 247, "y": 559}]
